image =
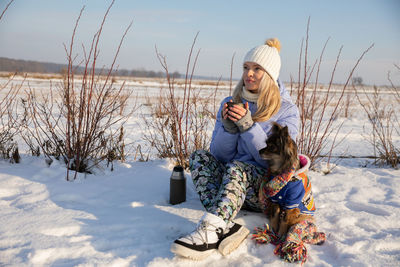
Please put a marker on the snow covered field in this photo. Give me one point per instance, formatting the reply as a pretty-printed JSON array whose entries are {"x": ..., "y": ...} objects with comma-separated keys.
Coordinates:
[{"x": 123, "y": 218}]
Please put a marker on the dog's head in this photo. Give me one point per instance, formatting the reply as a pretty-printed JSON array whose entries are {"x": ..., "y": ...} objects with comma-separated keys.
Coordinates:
[{"x": 281, "y": 150}]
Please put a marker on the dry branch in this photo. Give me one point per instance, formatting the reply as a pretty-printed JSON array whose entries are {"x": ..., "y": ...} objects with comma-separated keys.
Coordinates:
[
  {"x": 181, "y": 115},
  {"x": 318, "y": 110},
  {"x": 83, "y": 123}
]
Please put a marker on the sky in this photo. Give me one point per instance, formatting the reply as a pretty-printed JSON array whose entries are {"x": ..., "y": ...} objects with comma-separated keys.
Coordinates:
[{"x": 38, "y": 30}]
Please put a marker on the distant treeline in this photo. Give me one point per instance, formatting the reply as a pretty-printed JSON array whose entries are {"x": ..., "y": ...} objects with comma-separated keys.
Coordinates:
[{"x": 21, "y": 66}]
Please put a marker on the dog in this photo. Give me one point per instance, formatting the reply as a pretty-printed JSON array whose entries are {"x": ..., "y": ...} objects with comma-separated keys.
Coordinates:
[{"x": 294, "y": 202}]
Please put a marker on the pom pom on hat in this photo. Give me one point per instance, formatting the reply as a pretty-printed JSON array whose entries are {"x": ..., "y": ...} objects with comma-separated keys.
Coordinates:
[
  {"x": 267, "y": 56},
  {"x": 274, "y": 42}
]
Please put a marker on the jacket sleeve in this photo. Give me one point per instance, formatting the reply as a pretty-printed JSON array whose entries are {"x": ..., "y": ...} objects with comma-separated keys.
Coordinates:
[
  {"x": 223, "y": 144},
  {"x": 254, "y": 139}
]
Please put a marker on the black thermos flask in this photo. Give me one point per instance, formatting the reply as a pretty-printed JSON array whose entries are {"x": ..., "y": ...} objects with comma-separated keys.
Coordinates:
[{"x": 177, "y": 186}]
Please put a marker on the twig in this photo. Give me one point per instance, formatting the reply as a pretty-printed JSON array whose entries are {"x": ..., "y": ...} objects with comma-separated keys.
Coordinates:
[{"x": 5, "y": 9}]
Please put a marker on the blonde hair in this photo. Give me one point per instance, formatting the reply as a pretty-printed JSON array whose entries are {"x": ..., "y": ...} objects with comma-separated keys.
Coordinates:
[{"x": 269, "y": 98}]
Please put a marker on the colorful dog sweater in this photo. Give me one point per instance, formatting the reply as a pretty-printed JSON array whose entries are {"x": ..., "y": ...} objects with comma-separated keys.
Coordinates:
[{"x": 297, "y": 193}]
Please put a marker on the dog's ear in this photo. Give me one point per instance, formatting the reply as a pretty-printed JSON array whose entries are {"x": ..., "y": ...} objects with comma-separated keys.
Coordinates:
[
  {"x": 276, "y": 127},
  {"x": 284, "y": 135},
  {"x": 285, "y": 131},
  {"x": 290, "y": 148}
]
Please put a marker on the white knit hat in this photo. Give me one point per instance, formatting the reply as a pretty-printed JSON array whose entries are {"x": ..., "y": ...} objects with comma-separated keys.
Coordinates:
[{"x": 267, "y": 56}]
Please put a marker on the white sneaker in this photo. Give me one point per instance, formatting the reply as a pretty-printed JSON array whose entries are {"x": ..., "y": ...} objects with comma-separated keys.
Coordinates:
[
  {"x": 203, "y": 241},
  {"x": 232, "y": 238}
]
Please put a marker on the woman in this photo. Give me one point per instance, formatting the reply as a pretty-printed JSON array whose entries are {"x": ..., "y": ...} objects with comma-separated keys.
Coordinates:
[{"x": 229, "y": 176}]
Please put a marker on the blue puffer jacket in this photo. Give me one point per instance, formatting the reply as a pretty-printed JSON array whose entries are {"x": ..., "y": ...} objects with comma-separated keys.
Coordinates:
[{"x": 244, "y": 147}]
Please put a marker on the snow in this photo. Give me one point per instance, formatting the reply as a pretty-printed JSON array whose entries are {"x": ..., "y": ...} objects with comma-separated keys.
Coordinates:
[{"x": 123, "y": 217}]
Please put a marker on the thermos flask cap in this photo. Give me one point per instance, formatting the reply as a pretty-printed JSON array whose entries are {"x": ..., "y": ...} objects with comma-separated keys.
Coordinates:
[{"x": 177, "y": 173}]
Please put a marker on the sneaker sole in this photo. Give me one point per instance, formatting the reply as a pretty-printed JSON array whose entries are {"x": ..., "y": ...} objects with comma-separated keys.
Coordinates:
[
  {"x": 190, "y": 253},
  {"x": 233, "y": 241}
]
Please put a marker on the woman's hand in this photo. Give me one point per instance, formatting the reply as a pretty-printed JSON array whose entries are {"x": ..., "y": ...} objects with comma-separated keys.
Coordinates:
[
  {"x": 235, "y": 112},
  {"x": 236, "y": 115},
  {"x": 240, "y": 115},
  {"x": 229, "y": 125}
]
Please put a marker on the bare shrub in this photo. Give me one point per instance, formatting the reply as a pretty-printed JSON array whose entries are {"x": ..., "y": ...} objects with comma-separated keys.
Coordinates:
[
  {"x": 384, "y": 122},
  {"x": 393, "y": 88},
  {"x": 9, "y": 127},
  {"x": 318, "y": 108},
  {"x": 396, "y": 92},
  {"x": 139, "y": 154},
  {"x": 82, "y": 122},
  {"x": 181, "y": 115}
]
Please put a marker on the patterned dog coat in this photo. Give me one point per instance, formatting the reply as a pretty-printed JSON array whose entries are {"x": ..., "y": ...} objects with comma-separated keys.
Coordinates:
[{"x": 297, "y": 192}]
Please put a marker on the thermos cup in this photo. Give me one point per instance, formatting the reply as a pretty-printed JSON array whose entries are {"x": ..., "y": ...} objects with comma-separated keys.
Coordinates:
[{"x": 177, "y": 186}]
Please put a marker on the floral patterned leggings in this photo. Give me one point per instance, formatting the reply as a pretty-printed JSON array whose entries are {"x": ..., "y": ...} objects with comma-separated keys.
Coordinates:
[{"x": 225, "y": 188}]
